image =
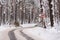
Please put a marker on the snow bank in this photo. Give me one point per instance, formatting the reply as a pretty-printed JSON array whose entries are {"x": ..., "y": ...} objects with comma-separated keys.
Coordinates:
[
  {"x": 45, "y": 34},
  {"x": 28, "y": 25},
  {"x": 4, "y": 27}
]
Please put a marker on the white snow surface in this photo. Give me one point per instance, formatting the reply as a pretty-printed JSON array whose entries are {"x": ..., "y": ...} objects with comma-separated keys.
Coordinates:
[
  {"x": 4, "y": 27},
  {"x": 28, "y": 25},
  {"x": 50, "y": 33},
  {"x": 45, "y": 34}
]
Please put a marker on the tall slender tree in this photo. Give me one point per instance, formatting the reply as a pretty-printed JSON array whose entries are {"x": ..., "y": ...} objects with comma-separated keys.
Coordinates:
[
  {"x": 0, "y": 13},
  {"x": 51, "y": 15}
]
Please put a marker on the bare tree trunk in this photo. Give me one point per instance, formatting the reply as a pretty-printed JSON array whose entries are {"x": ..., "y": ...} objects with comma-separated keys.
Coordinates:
[
  {"x": 22, "y": 13},
  {"x": 16, "y": 19},
  {"x": 51, "y": 15},
  {"x": 59, "y": 8},
  {"x": 0, "y": 13}
]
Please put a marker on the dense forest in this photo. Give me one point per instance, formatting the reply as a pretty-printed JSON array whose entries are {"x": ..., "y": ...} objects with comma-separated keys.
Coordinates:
[{"x": 29, "y": 11}]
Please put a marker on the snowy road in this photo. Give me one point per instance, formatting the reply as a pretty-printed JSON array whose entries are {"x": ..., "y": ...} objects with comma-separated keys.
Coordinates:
[
  {"x": 29, "y": 33},
  {"x": 13, "y": 33},
  {"x": 12, "y": 36},
  {"x": 26, "y": 36}
]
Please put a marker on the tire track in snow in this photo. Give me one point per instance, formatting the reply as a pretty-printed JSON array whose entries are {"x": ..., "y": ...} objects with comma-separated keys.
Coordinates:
[
  {"x": 26, "y": 36},
  {"x": 11, "y": 35}
]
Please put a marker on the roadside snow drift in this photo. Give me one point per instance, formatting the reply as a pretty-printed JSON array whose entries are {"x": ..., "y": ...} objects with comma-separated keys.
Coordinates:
[
  {"x": 4, "y": 27},
  {"x": 45, "y": 34},
  {"x": 28, "y": 25}
]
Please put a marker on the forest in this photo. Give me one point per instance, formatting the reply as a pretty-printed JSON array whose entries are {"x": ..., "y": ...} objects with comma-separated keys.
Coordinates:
[{"x": 30, "y": 11}]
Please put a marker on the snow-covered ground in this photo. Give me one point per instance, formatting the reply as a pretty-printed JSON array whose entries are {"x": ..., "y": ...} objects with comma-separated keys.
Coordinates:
[
  {"x": 4, "y": 27},
  {"x": 45, "y": 34},
  {"x": 28, "y": 25},
  {"x": 39, "y": 32}
]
